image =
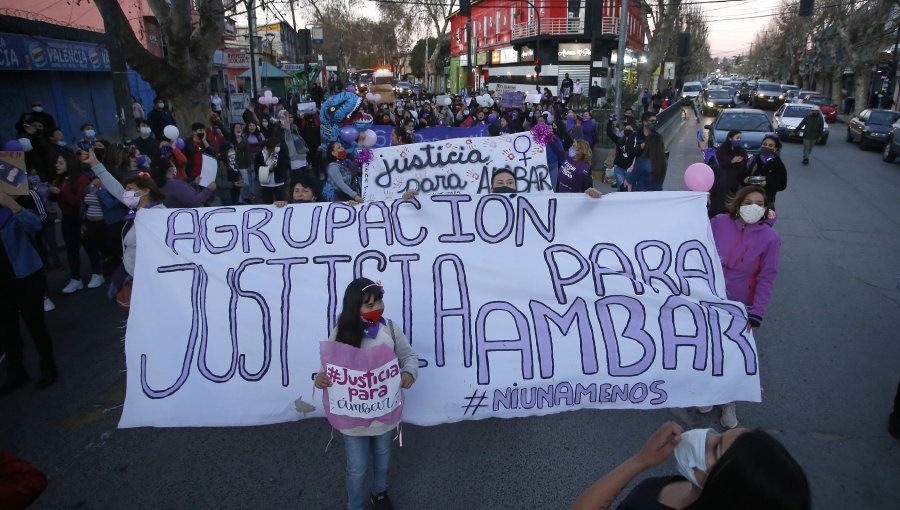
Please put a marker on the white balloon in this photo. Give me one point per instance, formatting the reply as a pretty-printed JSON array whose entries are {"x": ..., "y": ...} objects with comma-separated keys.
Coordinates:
[
  {"x": 26, "y": 144},
  {"x": 447, "y": 101},
  {"x": 171, "y": 132}
]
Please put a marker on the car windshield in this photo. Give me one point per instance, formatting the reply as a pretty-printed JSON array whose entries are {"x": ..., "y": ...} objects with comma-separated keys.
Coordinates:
[
  {"x": 795, "y": 111},
  {"x": 692, "y": 88},
  {"x": 403, "y": 84},
  {"x": 744, "y": 122},
  {"x": 820, "y": 100},
  {"x": 883, "y": 118},
  {"x": 773, "y": 87},
  {"x": 718, "y": 94}
]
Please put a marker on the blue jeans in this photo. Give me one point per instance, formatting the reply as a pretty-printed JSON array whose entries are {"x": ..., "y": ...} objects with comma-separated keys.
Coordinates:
[
  {"x": 620, "y": 175},
  {"x": 358, "y": 449}
]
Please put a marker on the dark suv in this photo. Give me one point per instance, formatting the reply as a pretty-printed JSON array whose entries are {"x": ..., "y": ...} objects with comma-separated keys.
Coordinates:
[{"x": 767, "y": 95}]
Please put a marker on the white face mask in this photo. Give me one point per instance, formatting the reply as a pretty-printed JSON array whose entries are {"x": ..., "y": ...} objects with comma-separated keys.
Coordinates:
[
  {"x": 145, "y": 131},
  {"x": 752, "y": 213},
  {"x": 90, "y": 133},
  {"x": 161, "y": 105},
  {"x": 572, "y": 152},
  {"x": 37, "y": 109},
  {"x": 690, "y": 453},
  {"x": 130, "y": 200},
  {"x": 26, "y": 144},
  {"x": 61, "y": 143}
]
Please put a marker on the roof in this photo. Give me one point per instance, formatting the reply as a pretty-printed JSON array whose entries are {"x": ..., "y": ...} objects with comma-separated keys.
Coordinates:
[{"x": 266, "y": 70}]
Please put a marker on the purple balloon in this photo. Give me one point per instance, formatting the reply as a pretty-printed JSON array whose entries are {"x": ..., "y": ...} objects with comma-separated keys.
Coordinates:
[
  {"x": 349, "y": 134},
  {"x": 492, "y": 118},
  {"x": 13, "y": 146},
  {"x": 351, "y": 88},
  {"x": 180, "y": 144}
]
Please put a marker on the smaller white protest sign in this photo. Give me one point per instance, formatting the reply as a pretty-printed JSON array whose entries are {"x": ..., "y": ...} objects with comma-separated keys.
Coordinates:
[
  {"x": 364, "y": 394},
  {"x": 365, "y": 385},
  {"x": 208, "y": 170},
  {"x": 455, "y": 166},
  {"x": 304, "y": 108},
  {"x": 534, "y": 98}
]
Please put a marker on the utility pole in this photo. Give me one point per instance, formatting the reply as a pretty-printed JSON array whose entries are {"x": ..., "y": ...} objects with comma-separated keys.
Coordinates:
[
  {"x": 296, "y": 52},
  {"x": 251, "y": 32},
  {"x": 620, "y": 56},
  {"x": 426, "y": 61},
  {"x": 892, "y": 83}
]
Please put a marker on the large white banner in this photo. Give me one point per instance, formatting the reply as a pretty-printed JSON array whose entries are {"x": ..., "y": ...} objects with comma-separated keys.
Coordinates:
[
  {"x": 457, "y": 165},
  {"x": 517, "y": 306}
]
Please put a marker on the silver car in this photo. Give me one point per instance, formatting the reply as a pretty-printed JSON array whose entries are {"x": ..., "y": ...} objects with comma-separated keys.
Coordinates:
[{"x": 788, "y": 117}]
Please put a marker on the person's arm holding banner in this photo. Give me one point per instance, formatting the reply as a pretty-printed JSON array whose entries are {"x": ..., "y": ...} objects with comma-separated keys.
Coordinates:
[
  {"x": 334, "y": 173},
  {"x": 409, "y": 360}
]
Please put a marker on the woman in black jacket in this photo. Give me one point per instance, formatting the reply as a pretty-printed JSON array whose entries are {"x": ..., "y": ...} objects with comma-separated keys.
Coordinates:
[
  {"x": 729, "y": 167},
  {"x": 766, "y": 168},
  {"x": 274, "y": 155}
]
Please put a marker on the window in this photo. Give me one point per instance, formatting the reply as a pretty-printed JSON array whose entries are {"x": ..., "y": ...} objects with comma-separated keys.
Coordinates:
[
  {"x": 497, "y": 23},
  {"x": 485, "y": 26}
]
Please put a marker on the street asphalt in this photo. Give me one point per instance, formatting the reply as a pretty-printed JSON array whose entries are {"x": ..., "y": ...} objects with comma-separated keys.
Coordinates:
[{"x": 829, "y": 363}]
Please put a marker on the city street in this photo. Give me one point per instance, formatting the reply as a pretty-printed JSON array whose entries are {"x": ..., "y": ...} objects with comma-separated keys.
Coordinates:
[{"x": 829, "y": 364}]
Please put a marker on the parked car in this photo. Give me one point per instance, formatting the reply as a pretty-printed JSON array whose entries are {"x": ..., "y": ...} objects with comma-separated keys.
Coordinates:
[
  {"x": 792, "y": 96},
  {"x": 829, "y": 109},
  {"x": 690, "y": 90},
  {"x": 712, "y": 101},
  {"x": 788, "y": 88},
  {"x": 871, "y": 127},
  {"x": 766, "y": 95},
  {"x": 753, "y": 124},
  {"x": 789, "y": 116},
  {"x": 892, "y": 145}
]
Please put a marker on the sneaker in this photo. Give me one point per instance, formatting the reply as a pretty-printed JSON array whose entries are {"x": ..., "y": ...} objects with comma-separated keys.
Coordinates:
[
  {"x": 48, "y": 305},
  {"x": 805, "y": 161},
  {"x": 47, "y": 378},
  {"x": 894, "y": 424},
  {"x": 729, "y": 417},
  {"x": 96, "y": 281},
  {"x": 74, "y": 285},
  {"x": 381, "y": 501},
  {"x": 704, "y": 409}
]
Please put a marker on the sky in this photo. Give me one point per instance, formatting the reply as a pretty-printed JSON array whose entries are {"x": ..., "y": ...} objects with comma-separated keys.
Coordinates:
[{"x": 729, "y": 36}]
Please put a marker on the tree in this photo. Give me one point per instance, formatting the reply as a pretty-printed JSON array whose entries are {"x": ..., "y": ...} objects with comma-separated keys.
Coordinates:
[
  {"x": 417, "y": 58},
  {"x": 403, "y": 22},
  {"x": 182, "y": 74},
  {"x": 438, "y": 13},
  {"x": 661, "y": 21},
  {"x": 698, "y": 61}
]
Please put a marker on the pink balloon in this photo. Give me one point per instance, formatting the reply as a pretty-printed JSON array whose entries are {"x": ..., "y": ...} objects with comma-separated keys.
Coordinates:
[
  {"x": 377, "y": 98},
  {"x": 699, "y": 177}
]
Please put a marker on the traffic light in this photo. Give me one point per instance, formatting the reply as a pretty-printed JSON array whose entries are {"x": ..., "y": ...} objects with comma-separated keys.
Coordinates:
[{"x": 537, "y": 67}]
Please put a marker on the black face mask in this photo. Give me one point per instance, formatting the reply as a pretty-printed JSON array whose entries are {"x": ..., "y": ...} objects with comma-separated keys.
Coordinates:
[{"x": 504, "y": 189}]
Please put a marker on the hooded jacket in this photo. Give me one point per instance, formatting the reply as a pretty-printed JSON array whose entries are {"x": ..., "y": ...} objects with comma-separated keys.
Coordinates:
[{"x": 749, "y": 255}]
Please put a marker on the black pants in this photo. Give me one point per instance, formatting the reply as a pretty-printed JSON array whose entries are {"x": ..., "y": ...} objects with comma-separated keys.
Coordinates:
[
  {"x": 71, "y": 231},
  {"x": 271, "y": 195},
  {"x": 24, "y": 296}
]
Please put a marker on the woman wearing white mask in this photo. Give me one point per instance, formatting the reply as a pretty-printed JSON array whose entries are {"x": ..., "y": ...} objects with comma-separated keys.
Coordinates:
[
  {"x": 139, "y": 192},
  {"x": 737, "y": 470},
  {"x": 749, "y": 249}
]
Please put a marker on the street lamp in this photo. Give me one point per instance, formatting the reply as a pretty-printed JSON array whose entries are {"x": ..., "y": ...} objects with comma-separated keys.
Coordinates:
[{"x": 270, "y": 37}]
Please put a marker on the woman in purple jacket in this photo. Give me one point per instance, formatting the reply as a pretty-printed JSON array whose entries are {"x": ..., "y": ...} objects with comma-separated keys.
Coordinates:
[
  {"x": 575, "y": 169},
  {"x": 749, "y": 248}
]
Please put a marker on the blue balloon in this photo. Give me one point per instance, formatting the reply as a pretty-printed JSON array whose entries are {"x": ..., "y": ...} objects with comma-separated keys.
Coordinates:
[
  {"x": 493, "y": 118},
  {"x": 349, "y": 134}
]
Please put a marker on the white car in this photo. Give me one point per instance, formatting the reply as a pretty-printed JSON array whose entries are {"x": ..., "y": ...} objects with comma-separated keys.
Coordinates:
[
  {"x": 788, "y": 117},
  {"x": 690, "y": 90}
]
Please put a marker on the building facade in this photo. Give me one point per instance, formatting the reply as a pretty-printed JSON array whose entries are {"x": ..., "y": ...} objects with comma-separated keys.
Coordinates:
[{"x": 505, "y": 41}]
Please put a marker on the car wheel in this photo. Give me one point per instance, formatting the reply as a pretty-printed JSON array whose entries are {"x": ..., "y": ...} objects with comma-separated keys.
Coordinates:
[
  {"x": 888, "y": 153},
  {"x": 849, "y": 136},
  {"x": 862, "y": 143},
  {"x": 822, "y": 141}
]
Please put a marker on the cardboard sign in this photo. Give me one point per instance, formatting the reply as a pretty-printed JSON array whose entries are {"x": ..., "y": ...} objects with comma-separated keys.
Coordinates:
[{"x": 13, "y": 175}]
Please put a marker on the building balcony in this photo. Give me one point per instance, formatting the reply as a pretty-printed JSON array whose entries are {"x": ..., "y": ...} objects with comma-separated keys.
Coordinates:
[{"x": 549, "y": 26}]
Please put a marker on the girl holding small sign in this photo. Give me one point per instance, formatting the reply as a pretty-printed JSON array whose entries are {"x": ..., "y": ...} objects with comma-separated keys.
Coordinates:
[{"x": 361, "y": 326}]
